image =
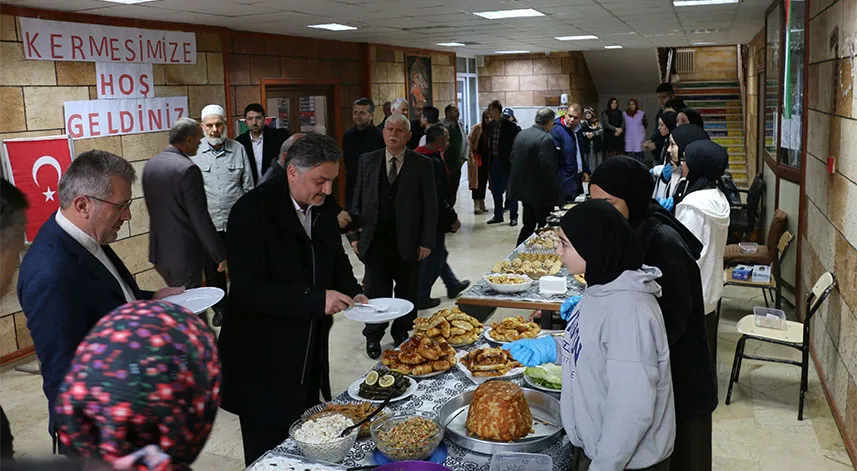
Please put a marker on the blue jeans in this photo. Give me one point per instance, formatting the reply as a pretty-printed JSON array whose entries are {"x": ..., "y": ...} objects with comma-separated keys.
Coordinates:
[
  {"x": 499, "y": 183},
  {"x": 434, "y": 266}
]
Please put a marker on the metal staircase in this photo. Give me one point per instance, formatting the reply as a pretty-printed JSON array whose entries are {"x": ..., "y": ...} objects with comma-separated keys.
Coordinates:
[{"x": 719, "y": 103}]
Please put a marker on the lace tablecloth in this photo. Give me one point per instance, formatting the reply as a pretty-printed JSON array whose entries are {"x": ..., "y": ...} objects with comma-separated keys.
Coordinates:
[{"x": 429, "y": 398}]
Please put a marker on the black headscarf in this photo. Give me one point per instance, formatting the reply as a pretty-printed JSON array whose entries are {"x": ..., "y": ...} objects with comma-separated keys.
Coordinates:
[
  {"x": 706, "y": 163},
  {"x": 604, "y": 238},
  {"x": 694, "y": 117},
  {"x": 670, "y": 119},
  {"x": 629, "y": 180},
  {"x": 614, "y": 117},
  {"x": 685, "y": 135}
]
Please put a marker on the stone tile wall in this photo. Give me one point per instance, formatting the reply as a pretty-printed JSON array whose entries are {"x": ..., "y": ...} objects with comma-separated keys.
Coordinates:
[
  {"x": 530, "y": 79},
  {"x": 830, "y": 238},
  {"x": 716, "y": 63},
  {"x": 31, "y": 98},
  {"x": 388, "y": 77}
]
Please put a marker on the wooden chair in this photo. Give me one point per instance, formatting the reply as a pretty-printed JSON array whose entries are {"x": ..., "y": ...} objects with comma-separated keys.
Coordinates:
[
  {"x": 765, "y": 254},
  {"x": 796, "y": 336},
  {"x": 774, "y": 285}
]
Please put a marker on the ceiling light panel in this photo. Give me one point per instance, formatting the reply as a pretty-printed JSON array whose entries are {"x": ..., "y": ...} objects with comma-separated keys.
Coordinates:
[
  {"x": 504, "y": 14},
  {"x": 333, "y": 27},
  {"x": 583, "y": 37},
  {"x": 697, "y": 3}
]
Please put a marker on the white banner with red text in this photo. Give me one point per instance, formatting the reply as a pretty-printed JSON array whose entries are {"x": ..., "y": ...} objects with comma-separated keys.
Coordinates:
[
  {"x": 99, "y": 118},
  {"x": 123, "y": 80},
  {"x": 67, "y": 41}
]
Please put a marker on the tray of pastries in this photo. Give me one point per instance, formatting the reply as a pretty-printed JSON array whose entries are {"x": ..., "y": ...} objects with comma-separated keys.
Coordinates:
[
  {"x": 452, "y": 325},
  {"x": 421, "y": 356},
  {"x": 500, "y": 416},
  {"x": 487, "y": 363},
  {"x": 533, "y": 265},
  {"x": 543, "y": 241},
  {"x": 511, "y": 329}
]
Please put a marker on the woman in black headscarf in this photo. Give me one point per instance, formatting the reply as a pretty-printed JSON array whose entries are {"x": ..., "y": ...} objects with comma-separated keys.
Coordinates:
[
  {"x": 663, "y": 175},
  {"x": 615, "y": 353},
  {"x": 690, "y": 116},
  {"x": 669, "y": 246},
  {"x": 679, "y": 139},
  {"x": 614, "y": 127},
  {"x": 703, "y": 208}
]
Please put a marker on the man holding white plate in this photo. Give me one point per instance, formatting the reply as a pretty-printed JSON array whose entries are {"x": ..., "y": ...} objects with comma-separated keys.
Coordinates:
[{"x": 289, "y": 274}]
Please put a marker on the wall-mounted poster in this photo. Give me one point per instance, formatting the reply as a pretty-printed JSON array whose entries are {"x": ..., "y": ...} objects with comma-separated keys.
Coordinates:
[{"x": 418, "y": 70}]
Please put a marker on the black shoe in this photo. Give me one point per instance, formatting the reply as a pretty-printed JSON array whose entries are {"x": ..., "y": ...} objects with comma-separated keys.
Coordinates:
[
  {"x": 428, "y": 303},
  {"x": 513, "y": 222},
  {"x": 495, "y": 220},
  {"x": 217, "y": 320},
  {"x": 373, "y": 349},
  {"x": 453, "y": 292},
  {"x": 399, "y": 341}
]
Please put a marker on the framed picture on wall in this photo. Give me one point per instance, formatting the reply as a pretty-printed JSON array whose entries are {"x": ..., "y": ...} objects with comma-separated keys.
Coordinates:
[{"x": 418, "y": 72}]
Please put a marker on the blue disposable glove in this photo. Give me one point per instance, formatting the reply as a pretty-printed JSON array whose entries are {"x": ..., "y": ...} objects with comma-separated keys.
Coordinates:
[
  {"x": 533, "y": 352},
  {"x": 568, "y": 307},
  {"x": 652, "y": 171},
  {"x": 667, "y": 203},
  {"x": 667, "y": 172}
]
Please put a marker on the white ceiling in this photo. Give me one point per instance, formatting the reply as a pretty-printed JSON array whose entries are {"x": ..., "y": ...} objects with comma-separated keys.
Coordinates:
[
  {"x": 628, "y": 23},
  {"x": 643, "y": 63}
]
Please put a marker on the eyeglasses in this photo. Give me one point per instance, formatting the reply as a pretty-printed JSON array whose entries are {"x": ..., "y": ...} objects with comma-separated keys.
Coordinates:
[{"x": 123, "y": 206}]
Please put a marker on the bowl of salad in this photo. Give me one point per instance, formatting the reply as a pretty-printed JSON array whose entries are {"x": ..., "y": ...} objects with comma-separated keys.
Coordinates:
[{"x": 546, "y": 377}]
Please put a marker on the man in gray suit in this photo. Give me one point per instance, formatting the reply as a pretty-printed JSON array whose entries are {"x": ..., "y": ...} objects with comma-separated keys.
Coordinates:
[
  {"x": 181, "y": 235},
  {"x": 535, "y": 173},
  {"x": 395, "y": 196}
]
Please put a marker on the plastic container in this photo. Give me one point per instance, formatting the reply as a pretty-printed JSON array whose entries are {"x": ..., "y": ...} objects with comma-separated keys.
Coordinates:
[
  {"x": 405, "y": 451},
  {"x": 521, "y": 462},
  {"x": 748, "y": 247},
  {"x": 761, "y": 274},
  {"x": 769, "y": 318},
  {"x": 510, "y": 288},
  {"x": 332, "y": 452},
  {"x": 552, "y": 285}
]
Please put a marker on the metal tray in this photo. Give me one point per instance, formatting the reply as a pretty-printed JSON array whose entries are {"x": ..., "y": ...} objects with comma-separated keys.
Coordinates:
[{"x": 542, "y": 405}]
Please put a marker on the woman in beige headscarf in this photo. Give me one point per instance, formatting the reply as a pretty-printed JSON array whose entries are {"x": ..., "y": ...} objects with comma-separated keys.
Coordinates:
[{"x": 477, "y": 165}]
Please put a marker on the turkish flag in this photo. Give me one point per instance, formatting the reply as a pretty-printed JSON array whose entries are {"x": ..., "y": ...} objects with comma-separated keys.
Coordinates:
[{"x": 35, "y": 166}]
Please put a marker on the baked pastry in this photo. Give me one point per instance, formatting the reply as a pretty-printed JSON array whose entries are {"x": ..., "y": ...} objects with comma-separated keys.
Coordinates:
[
  {"x": 451, "y": 325},
  {"x": 489, "y": 362},
  {"x": 420, "y": 355},
  {"x": 499, "y": 412}
]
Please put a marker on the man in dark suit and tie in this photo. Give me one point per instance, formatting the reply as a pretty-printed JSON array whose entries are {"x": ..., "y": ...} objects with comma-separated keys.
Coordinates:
[
  {"x": 396, "y": 197},
  {"x": 70, "y": 277},
  {"x": 181, "y": 234},
  {"x": 261, "y": 142}
]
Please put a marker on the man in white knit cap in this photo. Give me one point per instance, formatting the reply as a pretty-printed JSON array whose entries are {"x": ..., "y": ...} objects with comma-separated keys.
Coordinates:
[{"x": 227, "y": 176}]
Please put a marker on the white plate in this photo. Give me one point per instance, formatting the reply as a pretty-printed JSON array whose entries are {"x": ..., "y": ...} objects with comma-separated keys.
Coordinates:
[
  {"x": 510, "y": 288},
  {"x": 197, "y": 300},
  {"x": 354, "y": 391},
  {"x": 480, "y": 379},
  {"x": 535, "y": 385},
  {"x": 396, "y": 308}
]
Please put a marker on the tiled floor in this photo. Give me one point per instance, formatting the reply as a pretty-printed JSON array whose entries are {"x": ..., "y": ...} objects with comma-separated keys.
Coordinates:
[{"x": 759, "y": 431}]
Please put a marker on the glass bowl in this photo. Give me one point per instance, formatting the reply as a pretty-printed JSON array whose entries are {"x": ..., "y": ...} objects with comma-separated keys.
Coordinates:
[
  {"x": 332, "y": 452},
  {"x": 411, "y": 446}
]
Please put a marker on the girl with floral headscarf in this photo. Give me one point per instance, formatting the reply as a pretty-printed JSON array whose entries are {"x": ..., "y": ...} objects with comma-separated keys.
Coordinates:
[
  {"x": 592, "y": 131},
  {"x": 143, "y": 389}
]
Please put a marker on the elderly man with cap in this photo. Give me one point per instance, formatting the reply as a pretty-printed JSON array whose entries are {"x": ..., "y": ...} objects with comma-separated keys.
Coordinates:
[{"x": 227, "y": 175}]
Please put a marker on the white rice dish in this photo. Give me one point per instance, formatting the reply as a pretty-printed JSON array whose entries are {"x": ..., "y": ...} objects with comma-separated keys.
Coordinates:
[
  {"x": 322, "y": 430},
  {"x": 286, "y": 463}
]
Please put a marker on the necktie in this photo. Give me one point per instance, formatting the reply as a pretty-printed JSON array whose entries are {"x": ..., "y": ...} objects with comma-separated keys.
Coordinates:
[{"x": 393, "y": 172}]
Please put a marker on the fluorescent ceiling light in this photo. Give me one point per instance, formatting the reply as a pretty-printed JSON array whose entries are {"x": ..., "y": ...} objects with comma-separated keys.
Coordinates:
[
  {"x": 451, "y": 44},
  {"x": 333, "y": 27},
  {"x": 612, "y": 47},
  {"x": 702, "y": 43},
  {"x": 502, "y": 14},
  {"x": 576, "y": 38},
  {"x": 127, "y": 2},
  {"x": 694, "y": 3},
  {"x": 511, "y": 52}
]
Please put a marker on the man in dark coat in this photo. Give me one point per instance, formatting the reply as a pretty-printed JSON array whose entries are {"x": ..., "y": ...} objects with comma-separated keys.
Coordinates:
[
  {"x": 290, "y": 274},
  {"x": 262, "y": 143},
  {"x": 501, "y": 135},
  {"x": 362, "y": 138},
  {"x": 656, "y": 143},
  {"x": 573, "y": 165},
  {"x": 396, "y": 199},
  {"x": 672, "y": 248},
  {"x": 534, "y": 179}
]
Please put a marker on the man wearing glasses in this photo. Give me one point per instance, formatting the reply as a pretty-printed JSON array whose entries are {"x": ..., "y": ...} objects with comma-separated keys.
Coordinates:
[{"x": 70, "y": 277}]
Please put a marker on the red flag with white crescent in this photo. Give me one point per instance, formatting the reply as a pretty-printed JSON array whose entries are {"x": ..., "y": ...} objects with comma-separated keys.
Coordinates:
[{"x": 35, "y": 166}]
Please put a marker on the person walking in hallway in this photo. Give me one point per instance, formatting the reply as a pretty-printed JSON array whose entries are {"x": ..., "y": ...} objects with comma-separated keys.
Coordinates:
[
  {"x": 614, "y": 127},
  {"x": 570, "y": 143},
  {"x": 535, "y": 181},
  {"x": 458, "y": 150},
  {"x": 396, "y": 197},
  {"x": 478, "y": 164},
  {"x": 501, "y": 135},
  {"x": 635, "y": 130}
]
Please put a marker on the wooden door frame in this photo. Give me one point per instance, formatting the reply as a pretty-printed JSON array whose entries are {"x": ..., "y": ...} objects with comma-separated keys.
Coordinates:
[{"x": 337, "y": 113}]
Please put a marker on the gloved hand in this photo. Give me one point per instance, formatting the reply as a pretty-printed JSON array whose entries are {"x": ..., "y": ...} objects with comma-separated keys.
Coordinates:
[
  {"x": 667, "y": 203},
  {"x": 652, "y": 171},
  {"x": 533, "y": 352},
  {"x": 667, "y": 172},
  {"x": 568, "y": 306}
]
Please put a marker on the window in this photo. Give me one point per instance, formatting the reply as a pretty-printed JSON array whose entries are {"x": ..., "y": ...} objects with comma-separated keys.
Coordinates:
[
  {"x": 793, "y": 86},
  {"x": 467, "y": 90},
  {"x": 772, "y": 80}
]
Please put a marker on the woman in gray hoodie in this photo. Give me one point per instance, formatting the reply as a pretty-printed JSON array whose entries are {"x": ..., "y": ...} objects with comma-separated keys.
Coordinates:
[{"x": 617, "y": 396}]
